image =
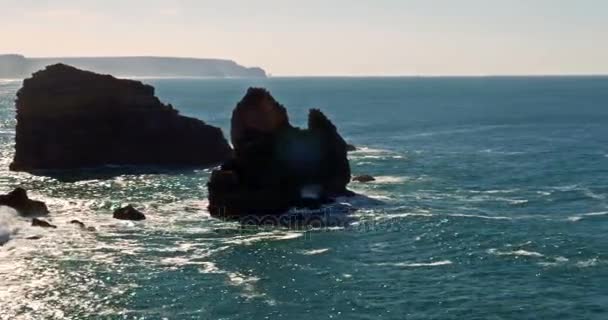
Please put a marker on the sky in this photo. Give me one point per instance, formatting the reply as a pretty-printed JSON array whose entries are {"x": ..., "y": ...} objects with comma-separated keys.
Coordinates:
[{"x": 324, "y": 37}]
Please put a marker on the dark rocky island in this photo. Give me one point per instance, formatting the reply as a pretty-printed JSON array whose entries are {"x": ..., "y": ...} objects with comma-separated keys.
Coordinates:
[
  {"x": 18, "y": 66},
  {"x": 69, "y": 118},
  {"x": 277, "y": 166}
]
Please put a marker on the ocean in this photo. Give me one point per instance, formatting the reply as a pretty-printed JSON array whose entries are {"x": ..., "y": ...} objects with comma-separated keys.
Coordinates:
[{"x": 491, "y": 202}]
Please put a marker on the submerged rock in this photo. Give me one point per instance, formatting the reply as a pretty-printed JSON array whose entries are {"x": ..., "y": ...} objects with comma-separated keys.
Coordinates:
[
  {"x": 364, "y": 178},
  {"x": 78, "y": 223},
  {"x": 277, "y": 166},
  {"x": 41, "y": 223},
  {"x": 129, "y": 213},
  {"x": 18, "y": 200},
  {"x": 82, "y": 225},
  {"x": 69, "y": 118}
]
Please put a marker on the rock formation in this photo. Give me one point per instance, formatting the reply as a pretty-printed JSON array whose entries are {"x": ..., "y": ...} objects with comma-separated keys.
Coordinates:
[
  {"x": 364, "y": 178},
  {"x": 43, "y": 224},
  {"x": 78, "y": 223},
  {"x": 128, "y": 213},
  {"x": 82, "y": 225},
  {"x": 275, "y": 165},
  {"x": 68, "y": 118},
  {"x": 18, "y": 200}
]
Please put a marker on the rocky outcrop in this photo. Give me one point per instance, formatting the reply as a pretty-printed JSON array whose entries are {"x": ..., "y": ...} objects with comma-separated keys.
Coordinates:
[
  {"x": 364, "y": 178},
  {"x": 82, "y": 225},
  {"x": 68, "y": 118},
  {"x": 275, "y": 165},
  {"x": 129, "y": 213},
  {"x": 43, "y": 224},
  {"x": 18, "y": 200}
]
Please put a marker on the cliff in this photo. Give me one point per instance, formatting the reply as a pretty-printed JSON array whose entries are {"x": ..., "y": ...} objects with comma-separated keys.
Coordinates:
[
  {"x": 17, "y": 66},
  {"x": 277, "y": 166},
  {"x": 69, "y": 118}
]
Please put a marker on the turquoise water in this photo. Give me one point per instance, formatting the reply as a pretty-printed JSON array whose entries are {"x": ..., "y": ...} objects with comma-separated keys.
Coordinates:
[{"x": 491, "y": 203}]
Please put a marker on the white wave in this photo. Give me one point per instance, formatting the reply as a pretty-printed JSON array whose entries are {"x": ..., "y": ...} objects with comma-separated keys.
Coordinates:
[
  {"x": 593, "y": 195},
  {"x": 506, "y": 153},
  {"x": 495, "y": 191},
  {"x": 265, "y": 236},
  {"x": 588, "y": 263},
  {"x": 404, "y": 215},
  {"x": 417, "y": 264},
  {"x": 453, "y": 131},
  {"x": 209, "y": 267},
  {"x": 314, "y": 251},
  {"x": 370, "y": 150},
  {"x": 584, "y": 215},
  {"x": 570, "y": 187},
  {"x": 389, "y": 179},
  {"x": 557, "y": 261},
  {"x": 8, "y": 224},
  {"x": 462, "y": 215},
  {"x": 521, "y": 252},
  {"x": 517, "y": 201}
]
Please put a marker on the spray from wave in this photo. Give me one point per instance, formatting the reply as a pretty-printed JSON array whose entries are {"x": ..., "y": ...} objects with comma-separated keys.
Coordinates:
[{"x": 8, "y": 224}]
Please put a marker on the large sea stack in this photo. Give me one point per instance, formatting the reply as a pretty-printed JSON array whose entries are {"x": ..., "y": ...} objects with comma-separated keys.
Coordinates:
[
  {"x": 69, "y": 118},
  {"x": 277, "y": 166}
]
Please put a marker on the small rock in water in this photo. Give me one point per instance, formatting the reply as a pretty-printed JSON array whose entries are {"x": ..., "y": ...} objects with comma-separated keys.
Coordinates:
[
  {"x": 41, "y": 223},
  {"x": 91, "y": 229},
  {"x": 34, "y": 238},
  {"x": 129, "y": 213},
  {"x": 364, "y": 178},
  {"x": 78, "y": 223},
  {"x": 18, "y": 200},
  {"x": 350, "y": 147}
]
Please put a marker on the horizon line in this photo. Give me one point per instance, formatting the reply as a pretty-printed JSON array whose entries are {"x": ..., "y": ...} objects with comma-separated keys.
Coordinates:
[
  {"x": 355, "y": 76},
  {"x": 539, "y": 75}
]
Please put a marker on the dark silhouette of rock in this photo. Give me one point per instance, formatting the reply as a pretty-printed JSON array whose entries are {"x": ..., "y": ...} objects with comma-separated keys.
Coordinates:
[
  {"x": 78, "y": 223},
  {"x": 82, "y": 225},
  {"x": 41, "y": 223},
  {"x": 275, "y": 165},
  {"x": 350, "y": 147},
  {"x": 129, "y": 213},
  {"x": 34, "y": 238},
  {"x": 68, "y": 118},
  {"x": 18, "y": 200},
  {"x": 364, "y": 178}
]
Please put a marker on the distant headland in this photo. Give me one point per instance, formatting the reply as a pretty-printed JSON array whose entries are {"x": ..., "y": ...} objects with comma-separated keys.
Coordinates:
[{"x": 18, "y": 66}]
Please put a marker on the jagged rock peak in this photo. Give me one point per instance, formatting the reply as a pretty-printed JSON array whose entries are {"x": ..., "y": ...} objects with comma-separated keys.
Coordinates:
[{"x": 258, "y": 111}]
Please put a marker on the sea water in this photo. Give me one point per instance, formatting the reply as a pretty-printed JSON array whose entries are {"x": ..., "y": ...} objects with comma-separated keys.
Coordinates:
[{"x": 490, "y": 202}]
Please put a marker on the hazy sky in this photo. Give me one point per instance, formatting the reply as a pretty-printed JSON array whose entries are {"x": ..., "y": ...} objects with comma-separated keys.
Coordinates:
[{"x": 324, "y": 37}]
